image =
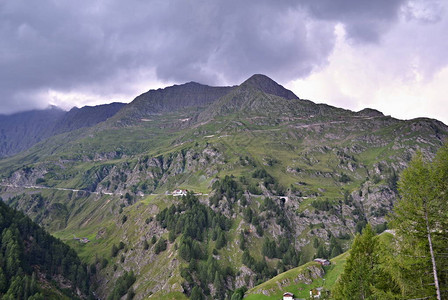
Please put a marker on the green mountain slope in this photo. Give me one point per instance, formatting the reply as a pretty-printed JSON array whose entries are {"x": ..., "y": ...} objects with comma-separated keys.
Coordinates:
[
  {"x": 35, "y": 264},
  {"x": 293, "y": 179},
  {"x": 86, "y": 116},
  {"x": 300, "y": 280}
]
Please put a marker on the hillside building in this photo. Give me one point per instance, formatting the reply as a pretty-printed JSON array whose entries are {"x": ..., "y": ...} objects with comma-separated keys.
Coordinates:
[
  {"x": 323, "y": 261},
  {"x": 178, "y": 193},
  {"x": 288, "y": 296}
]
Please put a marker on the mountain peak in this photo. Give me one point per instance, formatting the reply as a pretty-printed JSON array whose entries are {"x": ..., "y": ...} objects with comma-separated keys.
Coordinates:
[
  {"x": 258, "y": 78},
  {"x": 269, "y": 86}
]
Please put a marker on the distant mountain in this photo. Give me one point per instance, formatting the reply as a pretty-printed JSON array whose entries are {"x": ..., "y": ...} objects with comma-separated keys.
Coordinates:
[
  {"x": 202, "y": 102},
  {"x": 86, "y": 116},
  {"x": 170, "y": 99},
  {"x": 21, "y": 131}
]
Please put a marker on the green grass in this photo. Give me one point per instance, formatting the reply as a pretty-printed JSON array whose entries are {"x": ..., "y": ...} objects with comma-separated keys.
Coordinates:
[
  {"x": 169, "y": 296},
  {"x": 285, "y": 282}
]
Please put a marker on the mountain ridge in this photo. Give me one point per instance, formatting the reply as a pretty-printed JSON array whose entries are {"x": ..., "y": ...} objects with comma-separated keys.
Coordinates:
[
  {"x": 86, "y": 116},
  {"x": 22, "y": 130},
  {"x": 169, "y": 99}
]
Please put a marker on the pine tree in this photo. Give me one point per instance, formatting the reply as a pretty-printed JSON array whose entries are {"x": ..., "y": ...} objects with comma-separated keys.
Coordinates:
[
  {"x": 238, "y": 294},
  {"x": 359, "y": 271},
  {"x": 33, "y": 285},
  {"x": 335, "y": 248},
  {"x": 269, "y": 248},
  {"x": 196, "y": 294},
  {"x": 420, "y": 220},
  {"x": 219, "y": 286},
  {"x": 3, "y": 282},
  {"x": 221, "y": 241}
]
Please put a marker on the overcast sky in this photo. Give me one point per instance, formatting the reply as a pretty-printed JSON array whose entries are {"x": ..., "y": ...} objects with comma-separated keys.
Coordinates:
[{"x": 391, "y": 55}]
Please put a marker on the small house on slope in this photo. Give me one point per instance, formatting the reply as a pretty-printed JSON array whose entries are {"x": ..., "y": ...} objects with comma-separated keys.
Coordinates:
[
  {"x": 323, "y": 261},
  {"x": 178, "y": 193}
]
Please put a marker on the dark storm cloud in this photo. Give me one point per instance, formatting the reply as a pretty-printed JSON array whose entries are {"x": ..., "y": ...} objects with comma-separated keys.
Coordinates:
[
  {"x": 364, "y": 20},
  {"x": 100, "y": 45}
]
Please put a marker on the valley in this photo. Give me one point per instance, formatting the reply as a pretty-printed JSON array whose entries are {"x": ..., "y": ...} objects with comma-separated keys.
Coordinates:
[{"x": 274, "y": 182}]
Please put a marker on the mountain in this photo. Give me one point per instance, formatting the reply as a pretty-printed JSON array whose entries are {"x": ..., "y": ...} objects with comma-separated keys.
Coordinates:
[
  {"x": 261, "y": 97},
  {"x": 170, "y": 99},
  {"x": 268, "y": 86},
  {"x": 20, "y": 131},
  {"x": 277, "y": 180},
  {"x": 86, "y": 116}
]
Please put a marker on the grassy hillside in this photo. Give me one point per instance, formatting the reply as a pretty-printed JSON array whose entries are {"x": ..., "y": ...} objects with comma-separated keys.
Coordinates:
[{"x": 300, "y": 280}]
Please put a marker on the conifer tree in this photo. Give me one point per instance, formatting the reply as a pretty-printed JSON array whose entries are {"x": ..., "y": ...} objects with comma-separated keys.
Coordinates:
[
  {"x": 196, "y": 293},
  {"x": 359, "y": 271},
  {"x": 420, "y": 220},
  {"x": 3, "y": 282},
  {"x": 219, "y": 286}
]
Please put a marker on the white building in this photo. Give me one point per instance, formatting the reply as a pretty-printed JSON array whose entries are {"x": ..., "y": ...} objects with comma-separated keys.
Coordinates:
[
  {"x": 177, "y": 193},
  {"x": 288, "y": 296}
]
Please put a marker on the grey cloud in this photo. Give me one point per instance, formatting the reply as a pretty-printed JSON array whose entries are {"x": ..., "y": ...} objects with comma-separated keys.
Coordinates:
[
  {"x": 98, "y": 45},
  {"x": 364, "y": 20},
  {"x": 429, "y": 11},
  {"x": 246, "y": 39}
]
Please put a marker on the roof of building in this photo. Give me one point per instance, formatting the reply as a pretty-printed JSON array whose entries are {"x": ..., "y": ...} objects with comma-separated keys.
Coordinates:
[{"x": 320, "y": 259}]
